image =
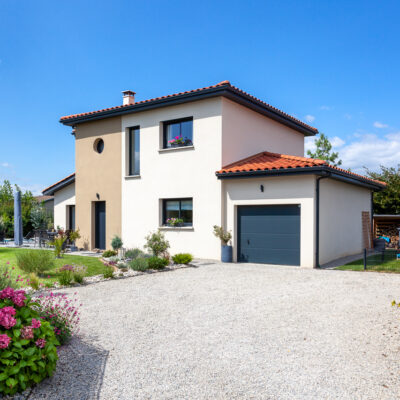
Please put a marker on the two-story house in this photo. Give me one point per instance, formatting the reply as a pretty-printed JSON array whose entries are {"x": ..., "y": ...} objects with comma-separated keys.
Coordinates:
[{"x": 210, "y": 156}]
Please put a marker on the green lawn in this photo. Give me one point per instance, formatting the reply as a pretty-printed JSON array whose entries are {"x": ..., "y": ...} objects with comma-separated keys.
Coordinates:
[
  {"x": 93, "y": 264},
  {"x": 374, "y": 263}
]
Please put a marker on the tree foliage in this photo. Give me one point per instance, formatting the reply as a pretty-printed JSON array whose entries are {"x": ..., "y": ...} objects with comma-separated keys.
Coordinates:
[
  {"x": 388, "y": 200},
  {"x": 324, "y": 151},
  {"x": 7, "y": 208}
]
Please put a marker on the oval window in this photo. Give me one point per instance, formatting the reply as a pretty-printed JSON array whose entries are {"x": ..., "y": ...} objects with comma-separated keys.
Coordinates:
[{"x": 99, "y": 145}]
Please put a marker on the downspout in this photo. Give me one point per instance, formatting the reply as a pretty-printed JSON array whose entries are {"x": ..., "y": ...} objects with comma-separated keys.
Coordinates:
[
  {"x": 317, "y": 197},
  {"x": 372, "y": 218}
]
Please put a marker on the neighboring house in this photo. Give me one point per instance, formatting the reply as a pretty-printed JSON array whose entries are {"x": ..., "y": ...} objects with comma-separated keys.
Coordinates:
[
  {"x": 63, "y": 193},
  {"x": 48, "y": 203},
  {"x": 230, "y": 166}
]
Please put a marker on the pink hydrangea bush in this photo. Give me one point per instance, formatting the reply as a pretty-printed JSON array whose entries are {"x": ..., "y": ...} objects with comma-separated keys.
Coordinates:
[
  {"x": 62, "y": 312},
  {"x": 28, "y": 351}
]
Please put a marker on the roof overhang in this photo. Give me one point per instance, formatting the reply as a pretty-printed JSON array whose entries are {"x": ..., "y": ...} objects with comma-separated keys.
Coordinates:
[
  {"x": 59, "y": 185},
  {"x": 226, "y": 91},
  {"x": 322, "y": 170}
]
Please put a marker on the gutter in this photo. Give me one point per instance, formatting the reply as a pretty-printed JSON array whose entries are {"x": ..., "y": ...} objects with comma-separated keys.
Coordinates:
[
  {"x": 317, "y": 200},
  {"x": 223, "y": 90},
  {"x": 318, "y": 170}
]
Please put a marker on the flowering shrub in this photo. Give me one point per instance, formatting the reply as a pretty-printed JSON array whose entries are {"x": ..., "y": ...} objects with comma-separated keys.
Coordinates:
[
  {"x": 28, "y": 352},
  {"x": 177, "y": 140},
  {"x": 156, "y": 243},
  {"x": 66, "y": 275},
  {"x": 157, "y": 262},
  {"x": 62, "y": 312},
  {"x": 6, "y": 278},
  {"x": 174, "y": 221}
]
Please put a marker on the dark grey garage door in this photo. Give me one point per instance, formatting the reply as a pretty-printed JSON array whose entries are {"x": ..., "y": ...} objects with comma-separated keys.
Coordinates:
[{"x": 269, "y": 234}]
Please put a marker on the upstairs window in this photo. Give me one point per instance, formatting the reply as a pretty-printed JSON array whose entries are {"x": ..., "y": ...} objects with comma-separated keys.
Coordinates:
[
  {"x": 178, "y": 133},
  {"x": 134, "y": 151},
  {"x": 178, "y": 208}
]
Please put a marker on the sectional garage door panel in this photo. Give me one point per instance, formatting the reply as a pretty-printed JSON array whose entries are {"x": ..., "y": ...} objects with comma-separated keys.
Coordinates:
[{"x": 269, "y": 234}]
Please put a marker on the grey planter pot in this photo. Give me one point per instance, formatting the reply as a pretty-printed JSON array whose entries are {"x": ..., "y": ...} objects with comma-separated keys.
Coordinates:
[{"x": 226, "y": 253}]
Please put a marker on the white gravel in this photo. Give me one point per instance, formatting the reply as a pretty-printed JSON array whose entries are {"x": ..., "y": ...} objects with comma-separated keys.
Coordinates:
[{"x": 234, "y": 331}]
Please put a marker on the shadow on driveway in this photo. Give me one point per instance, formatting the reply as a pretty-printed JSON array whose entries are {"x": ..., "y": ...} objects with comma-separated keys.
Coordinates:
[{"x": 79, "y": 373}]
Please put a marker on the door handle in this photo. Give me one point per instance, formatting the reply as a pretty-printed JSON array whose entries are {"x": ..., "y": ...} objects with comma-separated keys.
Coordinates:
[{"x": 248, "y": 241}]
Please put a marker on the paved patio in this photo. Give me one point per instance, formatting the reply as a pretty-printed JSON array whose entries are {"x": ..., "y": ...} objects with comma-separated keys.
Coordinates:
[{"x": 234, "y": 331}]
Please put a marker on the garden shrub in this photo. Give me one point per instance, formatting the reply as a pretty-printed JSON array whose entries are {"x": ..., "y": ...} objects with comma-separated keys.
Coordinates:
[
  {"x": 182, "y": 258},
  {"x": 34, "y": 281},
  {"x": 37, "y": 261},
  {"x": 157, "y": 243},
  {"x": 108, "y": 272},
  {"x": 109, "y": 253},
  {"x": 139, "y": 264},
  {"x": 62, "y": 312},
  {"x": 134, "y": 253},
  {"x": 58, "y": 244},
  {"x": 116, "y": 242},
  {"x": 28, "y": 352},
  {"x": 79, "y": 272},
  {"x": 66, "y": 275},
  {"x": 157, "y": 262}
]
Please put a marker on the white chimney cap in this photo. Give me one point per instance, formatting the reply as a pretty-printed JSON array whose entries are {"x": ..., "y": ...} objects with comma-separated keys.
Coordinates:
[{"x": 128, "y": 97}]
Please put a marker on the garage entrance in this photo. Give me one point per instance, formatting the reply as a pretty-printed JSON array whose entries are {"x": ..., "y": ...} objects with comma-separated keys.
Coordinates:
[{"x": 269, "y": 234}]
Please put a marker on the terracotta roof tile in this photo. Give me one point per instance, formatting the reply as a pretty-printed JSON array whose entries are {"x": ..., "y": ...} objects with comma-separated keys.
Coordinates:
[
  {"x": 267, "y": 161},
  {"x": 220, "y": 84}
]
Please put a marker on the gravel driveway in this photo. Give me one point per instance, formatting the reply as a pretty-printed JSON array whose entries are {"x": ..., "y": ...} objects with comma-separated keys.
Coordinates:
[{"x": 238, "y": 331}]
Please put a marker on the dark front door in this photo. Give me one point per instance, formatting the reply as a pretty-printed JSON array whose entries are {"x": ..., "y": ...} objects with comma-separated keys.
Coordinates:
[
  {"x": 269, "y": 234},
  {"x": 100, "y": 224},
  {"x": 71, "y": 222}
]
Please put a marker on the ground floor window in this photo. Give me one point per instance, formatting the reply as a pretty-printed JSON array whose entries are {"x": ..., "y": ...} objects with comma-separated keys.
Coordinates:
[{"x": 178, "y": 208}]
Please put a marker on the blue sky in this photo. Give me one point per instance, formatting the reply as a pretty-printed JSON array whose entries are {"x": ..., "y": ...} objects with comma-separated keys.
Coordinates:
[{"x": 333, "y": 64}]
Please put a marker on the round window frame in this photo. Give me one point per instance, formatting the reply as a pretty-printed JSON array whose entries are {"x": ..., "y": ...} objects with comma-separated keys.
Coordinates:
[{"x": 98, "y": 142}]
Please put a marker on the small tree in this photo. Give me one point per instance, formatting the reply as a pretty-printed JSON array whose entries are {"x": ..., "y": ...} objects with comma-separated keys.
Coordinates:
[
  {"x": 116, "y": 243},
  {"x": 388, "y": 200},
  {"x": 222, "y": 234},
  {"x": 39, "y": 218},
  {"x": 324, "y": 151},
  {"x": 157, "y": 243}
]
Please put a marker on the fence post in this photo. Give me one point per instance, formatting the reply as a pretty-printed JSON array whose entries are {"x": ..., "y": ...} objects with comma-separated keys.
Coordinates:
[
  {"x": 365, "y": 259},
  {"x": 383, "y": 255}
]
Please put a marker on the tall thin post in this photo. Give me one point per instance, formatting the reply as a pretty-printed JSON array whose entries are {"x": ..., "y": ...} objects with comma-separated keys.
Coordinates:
[
  {"x": 17, "y": 219},
  {"x": 365, "y": 259}
]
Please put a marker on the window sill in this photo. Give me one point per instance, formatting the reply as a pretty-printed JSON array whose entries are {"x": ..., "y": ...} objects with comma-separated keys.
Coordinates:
[
  {"x": 132, "y": 177},
  {"x": 172, "y": 149},
  {"x": 176, "y": 228}
]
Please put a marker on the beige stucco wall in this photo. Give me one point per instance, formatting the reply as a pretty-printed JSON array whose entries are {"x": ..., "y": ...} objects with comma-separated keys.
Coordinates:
[
  {"x": 341, "y": 205},
  {"x": 98, "y": 174},
  {"x": 63, "y": 198},
  {"x": 246, "y": 132},
  {"x": 277, "y": 190},
  {"x": 188, "y": 172}
]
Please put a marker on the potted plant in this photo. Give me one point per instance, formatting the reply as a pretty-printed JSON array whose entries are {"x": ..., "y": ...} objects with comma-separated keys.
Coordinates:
[
  {"x": 225, "y": 237},
  {"x": 174, "y": 221},
  {"x": 177, "y": 141},
  {"x": 73, "y": 236}
]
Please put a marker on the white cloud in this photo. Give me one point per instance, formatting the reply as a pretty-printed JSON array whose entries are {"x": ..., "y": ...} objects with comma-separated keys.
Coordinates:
[
  {"x": 326, "y": 108},
  {"x": 5, "y": 165},
  {"x": 379, "y": 125},
  {"x": 309, "y": 118},
  {"x": 337, "y": 142},
  {"x": 365, "y": 150}
]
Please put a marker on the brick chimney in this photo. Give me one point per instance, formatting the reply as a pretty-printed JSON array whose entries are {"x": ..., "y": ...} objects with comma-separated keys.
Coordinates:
[{"x": 128, "y": 97}]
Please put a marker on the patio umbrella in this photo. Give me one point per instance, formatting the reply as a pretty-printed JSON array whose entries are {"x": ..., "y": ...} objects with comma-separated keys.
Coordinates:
[{"x": 17, "y": 219}]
